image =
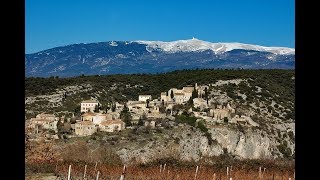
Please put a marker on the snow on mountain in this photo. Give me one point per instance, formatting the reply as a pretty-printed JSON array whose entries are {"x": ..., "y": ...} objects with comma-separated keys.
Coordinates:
[
  {"x": 218, "y": 48},
  {"x": 127, "y": 57},
  {"x": 113, "y": 43}
]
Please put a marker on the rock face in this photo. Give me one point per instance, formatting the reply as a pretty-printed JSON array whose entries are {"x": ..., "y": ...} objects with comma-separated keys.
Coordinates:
[
  {"x": 249, "y": 145},
  {"x": 190, "y": 144}
]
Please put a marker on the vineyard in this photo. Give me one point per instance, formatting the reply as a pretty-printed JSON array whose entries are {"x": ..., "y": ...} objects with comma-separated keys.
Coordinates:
[{"x": 163, "y": 171}]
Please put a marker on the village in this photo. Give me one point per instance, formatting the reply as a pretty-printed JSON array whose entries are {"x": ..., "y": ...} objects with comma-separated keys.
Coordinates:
[{"x": 146, "y": 111}]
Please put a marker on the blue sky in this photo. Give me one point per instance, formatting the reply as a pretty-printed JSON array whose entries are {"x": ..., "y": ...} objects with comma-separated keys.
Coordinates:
[{"x": 52, "y": 23}]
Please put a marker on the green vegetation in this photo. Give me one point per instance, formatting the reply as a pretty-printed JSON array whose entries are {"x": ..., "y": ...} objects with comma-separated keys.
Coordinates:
[
  {"x": 192, "y": 121},
  {"x": 276, "y": 84},
  {"x": 284, "y": 149},
  {"x": 186, "y": 119},
  {"x": 125, "y": 115}
]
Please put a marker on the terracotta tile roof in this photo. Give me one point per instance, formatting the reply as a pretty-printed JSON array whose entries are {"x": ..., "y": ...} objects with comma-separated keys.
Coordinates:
[
  {"x": 89, "y": 114},
  {"x": 89, "y": 101},
  {"x": 41, "y": 119},
  {"x": 46, "y": 115},
  {"x": 85, "y": 123},
  {"x": 109, "y": 122}
]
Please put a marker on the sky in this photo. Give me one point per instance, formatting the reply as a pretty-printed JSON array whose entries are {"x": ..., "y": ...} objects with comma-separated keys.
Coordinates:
[{"x": 52, "y": 23}]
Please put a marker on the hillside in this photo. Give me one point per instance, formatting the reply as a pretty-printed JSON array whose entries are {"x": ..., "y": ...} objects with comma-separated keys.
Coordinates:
[
  {"x": 47, "y": 93},
  {"x": 130, "y": 57},
  {"x": 267, "y": 96}
]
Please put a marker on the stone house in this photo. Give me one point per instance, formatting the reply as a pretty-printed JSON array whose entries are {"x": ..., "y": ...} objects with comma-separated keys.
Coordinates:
[
  {"x": 137, "y": 106},
  {"x": 88, "y": 105},
  {"x": 183, "y": 95},
  {"x": 179, "y": 98},
  {"x": 47, "y": 116},
  {"x": 85, "y": 128},
  {"x": 201, "y": 89},
  {"x": 112, "y": 125},
  {"x": 98, "y": 118},
  {"x": 88, "y": 116},
  {"x": 143, "y": 98},
  {"x": 41, "y": 123},
  {"x": 164, "y": 97}
]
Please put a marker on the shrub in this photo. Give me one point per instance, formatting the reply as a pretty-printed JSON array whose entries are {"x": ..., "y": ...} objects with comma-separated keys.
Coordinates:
[
  {"x": 202, "y": 127},
  {"x": 284, "y": 150},
  {"x": 225, "y": 120},
  {"x": 209, "y": 137},
  {"x": 291, "y": 136}
]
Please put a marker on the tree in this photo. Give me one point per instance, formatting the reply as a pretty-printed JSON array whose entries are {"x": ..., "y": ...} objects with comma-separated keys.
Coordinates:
[
  {"x": 96, "y": 108},
  {"x": 225, "y": 120},
  {"x": 206, "y": 95},
  {"x": 142, "y": 119},
  {"x": 59, "y": 126},
  {"x": 171, "y": 95},
  {"x": 77, "y": 110},
  {"x": 113, "y": 107},
  {"x": 148, "y": 101},
  {"x": 190, "y": 102},
  {"x": 125, "y": 115},
  {"x": 194, "y": 94}
]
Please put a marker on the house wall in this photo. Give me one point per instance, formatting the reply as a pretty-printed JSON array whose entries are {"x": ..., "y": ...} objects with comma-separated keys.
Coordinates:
[
  {"x": 43, "y": 116},
  {"x": 144, "y": 97},
  {"x": 112, "y": 127},
  {"x": 87, "y": 118},
  {"x": 84, "y": 130},
  {"x": 99, "y": 118},
  {"x": 86, "y": 106},
  {"x": 178, "y": 99}
]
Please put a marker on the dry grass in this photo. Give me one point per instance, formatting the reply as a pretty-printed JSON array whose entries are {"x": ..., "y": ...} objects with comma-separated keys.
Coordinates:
[{"x": 171, "y": 172}]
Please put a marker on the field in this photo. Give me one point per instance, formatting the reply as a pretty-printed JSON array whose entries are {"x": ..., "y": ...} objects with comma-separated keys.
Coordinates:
[{"x": 168, "y": 172}]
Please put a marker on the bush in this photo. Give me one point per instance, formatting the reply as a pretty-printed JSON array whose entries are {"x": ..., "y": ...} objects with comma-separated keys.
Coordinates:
[
  {"x": 202, "y": 127},
  {"x": 209, "y": 137},
  {"x": 291, "y": 136},
  {"x": 186, "y": 119},
  {"x": 225, "y": 120},
  {"x": 284, "y": 150}
]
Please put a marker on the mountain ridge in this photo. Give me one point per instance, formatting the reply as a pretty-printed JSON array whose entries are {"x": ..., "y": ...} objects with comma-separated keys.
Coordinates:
[{"x": 129, "y": 57}]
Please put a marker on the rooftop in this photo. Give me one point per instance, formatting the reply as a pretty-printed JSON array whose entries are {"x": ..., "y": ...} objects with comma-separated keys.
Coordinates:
[
  {"x": 46, "y": 115},
  {"x": 41, "y": 119},
  {"x": 85, "y": 123},
  {"x": 109, "y": 122},
  {"x": 88, "y": 114},
  {"x": 89, "y": 101}
]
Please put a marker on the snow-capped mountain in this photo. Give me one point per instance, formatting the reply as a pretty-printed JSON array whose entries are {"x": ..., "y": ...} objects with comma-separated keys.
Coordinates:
[
  {"x": 198, "y": 45},
  {"x": 123, "y": 57}
]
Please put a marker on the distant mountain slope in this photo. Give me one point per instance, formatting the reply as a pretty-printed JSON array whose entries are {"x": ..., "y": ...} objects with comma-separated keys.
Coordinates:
[{"x": 127, "y": 57}]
